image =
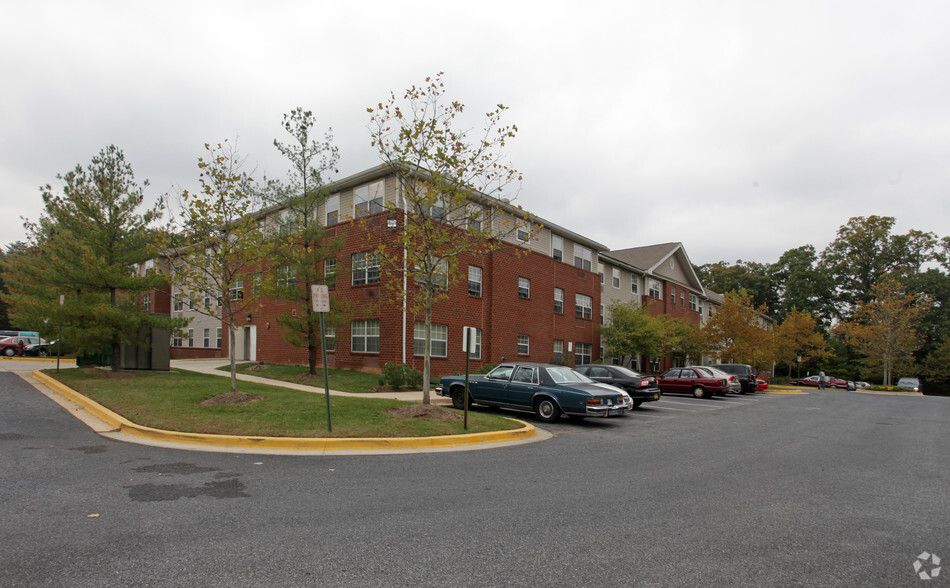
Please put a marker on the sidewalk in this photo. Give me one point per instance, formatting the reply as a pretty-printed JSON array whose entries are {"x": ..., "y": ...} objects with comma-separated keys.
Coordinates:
[{"x": 210, "y": 366}]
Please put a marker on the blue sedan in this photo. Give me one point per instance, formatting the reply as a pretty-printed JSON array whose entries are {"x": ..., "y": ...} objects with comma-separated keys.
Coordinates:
[{"x": 547, "y": 390}]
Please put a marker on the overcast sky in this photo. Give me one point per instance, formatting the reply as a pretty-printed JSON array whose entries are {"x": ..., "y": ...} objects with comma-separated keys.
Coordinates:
[{"x": 740, "y": 128}]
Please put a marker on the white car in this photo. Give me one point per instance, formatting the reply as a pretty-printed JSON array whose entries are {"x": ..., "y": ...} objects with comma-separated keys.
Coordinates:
[{"x": 735, "y": 386}]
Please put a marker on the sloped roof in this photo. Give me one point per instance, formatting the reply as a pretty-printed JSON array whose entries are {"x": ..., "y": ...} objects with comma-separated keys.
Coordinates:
[{"x": 649, "y": 258}]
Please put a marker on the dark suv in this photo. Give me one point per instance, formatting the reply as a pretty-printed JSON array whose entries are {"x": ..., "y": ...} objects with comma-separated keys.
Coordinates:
[{"x": 743, "y": 371}]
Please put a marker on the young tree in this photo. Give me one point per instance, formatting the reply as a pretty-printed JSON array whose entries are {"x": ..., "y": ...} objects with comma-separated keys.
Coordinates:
[
  {"x": 798, "y": 340},
  {"x": 736, "y": 333},
  {"x": 450, "y": 188},
  {"x": 886, "y": 328},
  {"x": 218, "y": 243},
  {"x": 86, "y": 247},
  {"x": 632, "y": 330},
  {"x": 300, "y": 243}
]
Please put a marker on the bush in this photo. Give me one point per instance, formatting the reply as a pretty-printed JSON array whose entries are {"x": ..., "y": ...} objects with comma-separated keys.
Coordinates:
[
  {"x": 486, "y": 368},
  {"x": 395, "y": 374}
]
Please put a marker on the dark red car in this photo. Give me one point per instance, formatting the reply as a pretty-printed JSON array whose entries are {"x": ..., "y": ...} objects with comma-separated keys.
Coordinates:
[
  {"x": 830, "y": 382},
  {"x": 691, "y": 381}
]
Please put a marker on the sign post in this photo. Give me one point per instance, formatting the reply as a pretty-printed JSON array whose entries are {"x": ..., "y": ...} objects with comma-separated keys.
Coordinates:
[
  {"x": 320, "y": 295},
  {"x": 468, "y": 345}
]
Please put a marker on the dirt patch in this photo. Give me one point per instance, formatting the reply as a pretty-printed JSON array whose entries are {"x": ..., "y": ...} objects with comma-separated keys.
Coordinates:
[
  {"x": 426, "y": 411},
  {"x": 231, "y": 398},
  {"x": 257, "y": 367}
]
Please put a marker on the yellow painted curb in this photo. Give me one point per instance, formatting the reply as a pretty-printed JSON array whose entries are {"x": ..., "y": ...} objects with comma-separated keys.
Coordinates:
[
  {"x": 48, "y": 358},
  {"x": 123, "y": 425},
  {"x": 782, "y": 390}
]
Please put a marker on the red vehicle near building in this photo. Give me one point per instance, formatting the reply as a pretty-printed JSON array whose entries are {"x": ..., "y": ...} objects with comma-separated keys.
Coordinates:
[
  {"x": 691, "y": 381},
  {"x": 830, "y": 382}
]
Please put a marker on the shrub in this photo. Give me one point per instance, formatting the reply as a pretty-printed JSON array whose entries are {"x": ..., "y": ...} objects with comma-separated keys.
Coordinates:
[{"x": 395, "y": 374}]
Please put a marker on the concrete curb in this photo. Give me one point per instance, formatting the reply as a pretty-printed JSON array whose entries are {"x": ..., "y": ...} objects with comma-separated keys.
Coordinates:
[{"x": 122, "y": 425}]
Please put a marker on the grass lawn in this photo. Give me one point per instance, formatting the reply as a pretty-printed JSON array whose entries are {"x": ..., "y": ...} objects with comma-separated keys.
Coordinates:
[
  {"x": 172, "y": 401},
  {"x": 342, "y": 380}
]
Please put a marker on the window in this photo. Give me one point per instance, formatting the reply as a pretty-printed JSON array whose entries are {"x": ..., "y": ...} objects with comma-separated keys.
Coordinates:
[
  {"x": 559, "y": 301},
  {"x": 634, "y": 284},
  {"x": 333, "y": 209},
  {"x": 256, "y": 284},
  {"x": 474, "y": 218},
  {"x": 191, "y": 337},
  {"x": 207, "y": 299},
  {"x": 286, "y": 277},
  {"x": 365, "y": 268},
  {"x": 439, "y": 340},
  {"x": 557, "y": 247},
  {"x": 582, "y": 257},
  {"x": 693, "y": 302},
  {"x": 237, "y": 290},
  {"x": 206, "y": 338},
  {"x": 147, "y": 302},
  {"x": 176, "y": 339},
  {"x": 368, "y": 199},
  {"x": 523, "y": 345},
  {"x": 654, "y": 289},
  {"x": 602, "y": 314},
  {"x": 558, "y": 351},
  {"x": 178, "y": 303},
  {"x": 699, "y": 307},
  {"x": 217, "y": 336},
  {"x": 329, "y": 271},
  {"x": 524, "y": 288},
  {"x": 525, "y": 375},
  {"x": 523, "y": 235},
  {"x": 582, "y": 306},
  {"x": 600, "y": 272},
  {"x": 682, "y": 297},
  {"x": 287, "y": 222},
  {"x": 329, "y": 333},
  {"x": 440, "y": 275},
  {"x": 673, "y": 294},
  {"x": 365, "y": 336},
  {"x": 435, "y": 211},
  {"x": 582, "y": 353},
  {"x": 474, "y": 280},
  {"x": 615, "y": 277},
  {"x": 476, "y": 352}
]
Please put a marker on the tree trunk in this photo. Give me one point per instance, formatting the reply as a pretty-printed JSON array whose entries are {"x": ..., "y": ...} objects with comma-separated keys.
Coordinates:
[
  {"x": 116, "y": 362},
  {"x": 426, "y": 365}
]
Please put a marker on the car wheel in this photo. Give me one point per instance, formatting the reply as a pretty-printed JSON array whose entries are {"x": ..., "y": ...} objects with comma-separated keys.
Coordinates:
[
  {"x": 42, "y": 353},
  {"x": 458, "y": 398},
  {"x": 9, "y": 352},
  {"x": 637, "y": 403},
  {"x": 699, "y": 392},
  {"x": 547, "y": 410}
]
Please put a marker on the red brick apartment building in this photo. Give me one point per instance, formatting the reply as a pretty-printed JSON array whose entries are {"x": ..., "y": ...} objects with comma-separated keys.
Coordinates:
[{"x": 535, "y": 300}]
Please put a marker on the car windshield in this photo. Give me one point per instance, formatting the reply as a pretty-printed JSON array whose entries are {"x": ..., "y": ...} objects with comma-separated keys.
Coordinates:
[
  {"x": 627, "y": 372},
  {"x": 561, "y": 375}
]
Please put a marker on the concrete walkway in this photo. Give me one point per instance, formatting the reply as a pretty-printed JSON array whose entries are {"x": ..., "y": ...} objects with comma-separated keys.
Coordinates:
[{"x": 210, "y": 366}]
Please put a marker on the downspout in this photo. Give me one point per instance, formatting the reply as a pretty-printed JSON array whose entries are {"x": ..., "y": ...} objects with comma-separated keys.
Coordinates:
[{"x": 405, "y": 283}]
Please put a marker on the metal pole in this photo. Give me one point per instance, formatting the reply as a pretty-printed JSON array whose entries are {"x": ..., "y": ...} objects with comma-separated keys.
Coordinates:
[{"x": 326, "y": 375}]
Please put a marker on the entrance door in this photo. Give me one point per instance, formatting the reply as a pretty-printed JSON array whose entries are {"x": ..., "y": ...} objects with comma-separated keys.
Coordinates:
[{"x": 248, "y": 343}]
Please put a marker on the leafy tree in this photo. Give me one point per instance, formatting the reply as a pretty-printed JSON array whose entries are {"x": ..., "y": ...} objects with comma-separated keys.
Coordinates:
[
  {"x": 797, "y": 340},
  {"x": 736, "y": 334},
  {"x": 632, "y": 330},
  {"x": 751, "y": 276},
  {"x": 450, "y": 185},
  {"x": 300, "y": 243},
  {"x": 936, "y": 366},
  {"x": 800, "y": 284},
  {"x": 885, "y": 328},
  {"x": 865, "y": 252},
  {"x": 679, "y": 338},
  {"x": 218, "y": 243},
  {"x": 86, "y": 246}
]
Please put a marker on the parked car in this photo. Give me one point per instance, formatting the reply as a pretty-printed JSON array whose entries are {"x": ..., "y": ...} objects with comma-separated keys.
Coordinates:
[
  {"x": 830, "y": 382},
  {"x": 734, "y": 386},
  {"x": 743, "y": 371},
  {"x": 760, "y": 385},
  {"x": 42, "y": 349},
  {"x": 859, "y": 384},
  {"x": 640, "y": 388},
  {"x": 11, "y": 346},
  {"x": 689, "y": 380},
  {"x": 912, "y": 383},
  {"x": 548, "y": 390}
]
